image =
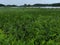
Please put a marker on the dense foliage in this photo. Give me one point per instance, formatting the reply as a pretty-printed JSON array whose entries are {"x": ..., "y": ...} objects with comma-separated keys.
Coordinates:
[{"x": 29, "y": 26}]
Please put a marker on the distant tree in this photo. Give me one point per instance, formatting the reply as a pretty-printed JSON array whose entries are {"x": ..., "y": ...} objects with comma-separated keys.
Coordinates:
[
  {"x": 25, "y": 5},
  {"x": 2, "y": 5},
  {"x": 28, "y": 5},
  {"x": 11, "y": 5},
  {"x": 37, "y": 5},
  {"x": 55, "y": 4}
]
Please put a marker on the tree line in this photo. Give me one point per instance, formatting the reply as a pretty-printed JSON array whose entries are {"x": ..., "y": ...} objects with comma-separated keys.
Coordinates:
[
  {"x": 42, "y": 5},
  {"x": 3, "y": 5},
  {"x": 28, "y": 5}
]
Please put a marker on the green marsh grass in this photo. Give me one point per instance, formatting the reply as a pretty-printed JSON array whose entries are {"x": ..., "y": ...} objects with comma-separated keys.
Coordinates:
[{"x": 29, "y": 26}]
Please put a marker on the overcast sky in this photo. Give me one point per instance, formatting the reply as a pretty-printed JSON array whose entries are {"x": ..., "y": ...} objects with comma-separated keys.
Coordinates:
[{"x": 21, "y": 2}]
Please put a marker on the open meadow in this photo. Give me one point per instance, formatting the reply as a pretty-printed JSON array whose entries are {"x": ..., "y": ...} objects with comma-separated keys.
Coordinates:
[{"x": 29, "y": 26}]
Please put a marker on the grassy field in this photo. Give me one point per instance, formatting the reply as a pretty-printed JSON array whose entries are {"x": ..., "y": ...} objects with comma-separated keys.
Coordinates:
[{"x": 29, "y": 26}]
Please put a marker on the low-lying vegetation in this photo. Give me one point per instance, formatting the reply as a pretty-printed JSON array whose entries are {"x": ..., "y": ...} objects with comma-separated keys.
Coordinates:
[{"x": 29, "y": 26}]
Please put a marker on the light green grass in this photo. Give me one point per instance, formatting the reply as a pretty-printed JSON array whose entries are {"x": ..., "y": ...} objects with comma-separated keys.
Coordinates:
[{"x": 29, "y": 26}]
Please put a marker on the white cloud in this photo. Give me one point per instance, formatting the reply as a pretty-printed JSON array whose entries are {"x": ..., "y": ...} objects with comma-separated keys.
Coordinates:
[{"x": 20, "y": 2}]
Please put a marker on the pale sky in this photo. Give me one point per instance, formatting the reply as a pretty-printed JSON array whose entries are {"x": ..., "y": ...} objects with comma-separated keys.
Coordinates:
[{"x": 21, "y": 2}]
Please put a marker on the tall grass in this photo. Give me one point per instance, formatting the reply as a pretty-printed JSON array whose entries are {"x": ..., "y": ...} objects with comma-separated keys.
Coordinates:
[{"x": 29, "y": 26}]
